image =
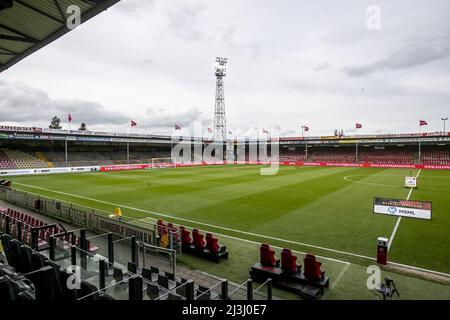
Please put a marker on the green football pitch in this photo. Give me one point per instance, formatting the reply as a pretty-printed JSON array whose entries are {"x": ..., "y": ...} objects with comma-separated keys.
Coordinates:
[{"x": 327, "y": 211}]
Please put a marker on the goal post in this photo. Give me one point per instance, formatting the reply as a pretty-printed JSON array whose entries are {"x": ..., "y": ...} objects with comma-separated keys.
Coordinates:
[{"x": 162, "y": 162}]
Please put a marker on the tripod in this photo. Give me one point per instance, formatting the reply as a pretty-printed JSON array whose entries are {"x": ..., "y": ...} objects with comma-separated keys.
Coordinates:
[{"x": 388, "y": 289}]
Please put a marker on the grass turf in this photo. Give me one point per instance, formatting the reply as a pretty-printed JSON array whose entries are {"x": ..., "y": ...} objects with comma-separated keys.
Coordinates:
[{"x": 329, "y": 208}]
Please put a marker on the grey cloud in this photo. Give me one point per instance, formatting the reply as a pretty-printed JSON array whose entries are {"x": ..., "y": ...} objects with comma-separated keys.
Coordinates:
[
  {"x": 163, "y": 118},
  {"x": 322, "y": 66},
  {"x": 432, "y": 46},
  {"x": 229, "y": 38},
  {"x": 183, "y": 21},
  {"x": 134, "y": 6},
  {"x": 23, "y": 103},
  {"x": 159, "y": 54}
]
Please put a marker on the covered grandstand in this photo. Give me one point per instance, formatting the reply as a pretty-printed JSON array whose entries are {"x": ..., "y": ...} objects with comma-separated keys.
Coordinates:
[{"x": 23, "y": 147}]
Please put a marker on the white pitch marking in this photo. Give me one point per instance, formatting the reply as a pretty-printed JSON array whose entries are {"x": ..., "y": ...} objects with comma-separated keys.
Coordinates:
[
  {"x": 201, "y": 223},
  {"x": 391, "y": 239},
  {"x": 262, "y": 236},
  {"x": 335, "y": 283},
  {"x": 347, "y": 178}
]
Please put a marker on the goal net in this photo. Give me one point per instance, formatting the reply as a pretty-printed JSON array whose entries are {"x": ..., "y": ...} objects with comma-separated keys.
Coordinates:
[{"x": 162, "y": 162}]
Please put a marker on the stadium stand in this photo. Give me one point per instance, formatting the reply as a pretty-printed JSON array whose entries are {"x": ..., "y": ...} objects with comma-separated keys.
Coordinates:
[
  {"x": 435, "y": 157},
  {"x": 99, "y": 148},
  {"x": 5, "y": 161},
  {"x": 330, "y": 155},
  {"x": 89, "y": 157},
  {"x": 32, "y": 272},
  {"x": 292, "y": 155},
  {"x": 391, "y": 156},
  {"x": 17, "y": 159}
]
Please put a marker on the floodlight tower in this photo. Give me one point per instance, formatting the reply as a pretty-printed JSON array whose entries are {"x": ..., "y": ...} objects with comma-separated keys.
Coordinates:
[{"x": 220, "y": 119}]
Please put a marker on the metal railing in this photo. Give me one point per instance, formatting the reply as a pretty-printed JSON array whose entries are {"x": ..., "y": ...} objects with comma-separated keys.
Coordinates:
[
  {"x": 96, "y": 220},
  {"x": 208, "y": 293},
  {"x": 160, "y": 256},
  {"x": 245, "y": 291}
]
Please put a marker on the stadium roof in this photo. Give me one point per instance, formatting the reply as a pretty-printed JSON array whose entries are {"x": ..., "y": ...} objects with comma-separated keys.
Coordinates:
[{"x": 29, "y": 25}]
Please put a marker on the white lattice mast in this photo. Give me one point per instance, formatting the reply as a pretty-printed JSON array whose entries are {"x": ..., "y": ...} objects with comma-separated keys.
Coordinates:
[{"x": 220, "y": 119}]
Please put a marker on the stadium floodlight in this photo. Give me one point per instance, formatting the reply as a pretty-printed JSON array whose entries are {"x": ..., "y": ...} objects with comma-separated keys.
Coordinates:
[
  {"x": 220, "y": 67},
  {"x": 220, "y": 125},
  {"x": 444, "y": 119}
]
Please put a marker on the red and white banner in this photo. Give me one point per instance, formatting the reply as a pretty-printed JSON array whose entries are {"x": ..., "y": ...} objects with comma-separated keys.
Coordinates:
[
  {"x": 284, "y": 163},
  {"x": 356, "y": 165},
  {"x": 124, "y": 167}
]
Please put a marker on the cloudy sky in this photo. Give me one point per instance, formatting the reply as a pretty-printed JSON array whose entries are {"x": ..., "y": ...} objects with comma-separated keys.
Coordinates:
[{"x": 290, "y": 63}]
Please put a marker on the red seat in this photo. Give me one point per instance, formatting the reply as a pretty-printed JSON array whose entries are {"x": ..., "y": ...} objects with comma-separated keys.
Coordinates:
[
  {"x": 198, "y": 241},
  {"x": 212, "y": 243},
  {"x": 267, "y": 256},
  {"x": 161, "y": 226},
  {"x": 185, "y": 236},
  {"x": 288, "y": 261},
  {"x": 173, "y": 231},
  {"x": 312, "y": 268}
]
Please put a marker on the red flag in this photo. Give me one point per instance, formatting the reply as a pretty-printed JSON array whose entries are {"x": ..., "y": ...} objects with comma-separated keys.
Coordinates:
[
  {"x": 133, "y": 123},
  {"x": 423, "y": 123},
  {"x": 69, "y": 118},
  {"x": 358, "y": 125},
  {"x": 306, "y": 128},
  {"x": 210, "y": 130},
  {"x": 177, "y": 127},
  {"x": 265, "y": 131}
]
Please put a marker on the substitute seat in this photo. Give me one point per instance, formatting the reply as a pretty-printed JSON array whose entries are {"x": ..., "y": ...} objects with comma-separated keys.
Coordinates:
[
  {"x": 198, "y": 240},
  {"x": 267, "y": 256},
  {"x": 289, "y": 262},
  {"x": 213, "y": 244},
  {"x": 312, "y": 268},
  {"x": 186, "y": 239}
]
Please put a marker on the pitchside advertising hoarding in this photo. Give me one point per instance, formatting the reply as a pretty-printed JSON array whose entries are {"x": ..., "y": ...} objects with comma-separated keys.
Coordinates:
[{"x": 402, "y": 208}]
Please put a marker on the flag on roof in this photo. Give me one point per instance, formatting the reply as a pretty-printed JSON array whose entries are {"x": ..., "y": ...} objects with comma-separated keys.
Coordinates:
[
  {"x": 133, "y": 123},
  {"x": 358, "y": 125},
  {"x": 306, "y": 128},
  {"x": 423, "y": 123},
  {"x": 177, "y": 127},
  {"x": 265, "y": 131},
  {"x": 69, "y": 117}
]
